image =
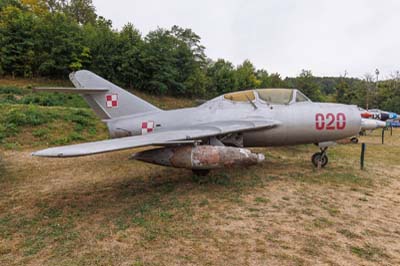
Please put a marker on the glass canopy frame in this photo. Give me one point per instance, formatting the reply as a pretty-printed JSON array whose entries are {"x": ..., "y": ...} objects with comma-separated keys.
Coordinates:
[{"x": 271, "y": 96}]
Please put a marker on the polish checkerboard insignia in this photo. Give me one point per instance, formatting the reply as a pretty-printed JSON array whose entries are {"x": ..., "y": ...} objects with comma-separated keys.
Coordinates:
[
  {"x": 112, "y": 100},
  {"x": 147, "y": 127}
]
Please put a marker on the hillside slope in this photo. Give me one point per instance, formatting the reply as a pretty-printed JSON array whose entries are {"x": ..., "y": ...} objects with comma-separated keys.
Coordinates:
[{"x": 31, "y": 120}]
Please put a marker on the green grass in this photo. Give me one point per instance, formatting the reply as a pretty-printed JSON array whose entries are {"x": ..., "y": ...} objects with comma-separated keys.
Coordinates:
[
  {"x": 347, "y": 233},
  {"x": 18, "y": 95},
  {"x": 261, "y": 200},
  {"x": 369, "y": 252},
  {"x": 322, "y": 222},
  {"x": 31, "y": 125},
  {"x": 333, "y": 177}
]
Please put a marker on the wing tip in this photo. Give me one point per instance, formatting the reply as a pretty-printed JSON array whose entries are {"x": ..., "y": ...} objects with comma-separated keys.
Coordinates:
[{"x": 46, "y": 153}]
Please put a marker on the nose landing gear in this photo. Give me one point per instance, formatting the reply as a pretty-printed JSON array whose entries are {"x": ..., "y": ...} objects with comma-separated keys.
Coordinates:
[
  {"x": 320, "y": 159},
  {"x": 354, "y": 140}
]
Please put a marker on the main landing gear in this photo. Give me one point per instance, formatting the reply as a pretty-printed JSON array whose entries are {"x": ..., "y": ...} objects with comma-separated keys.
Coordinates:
[{"x": 320, "y": 159}]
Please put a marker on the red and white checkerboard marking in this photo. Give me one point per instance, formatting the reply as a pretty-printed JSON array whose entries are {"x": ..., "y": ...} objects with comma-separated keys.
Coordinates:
[
  {"x": 147, "y": 127},
  {"x": 112, "y": 100}
]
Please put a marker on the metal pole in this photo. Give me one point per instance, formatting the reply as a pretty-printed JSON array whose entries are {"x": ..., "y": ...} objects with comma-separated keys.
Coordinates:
[
  {"x": 376, "y": 87},
  {"x": 363, "y": 146},
  {"x": 383, "y": 135}
]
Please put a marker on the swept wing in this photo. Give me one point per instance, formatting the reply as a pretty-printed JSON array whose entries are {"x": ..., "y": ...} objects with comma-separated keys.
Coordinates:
[{"x": 158, "y": 138}]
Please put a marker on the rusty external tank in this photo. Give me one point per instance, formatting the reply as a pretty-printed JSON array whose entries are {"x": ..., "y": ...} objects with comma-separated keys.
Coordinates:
[{"x": 200, "y": 157}]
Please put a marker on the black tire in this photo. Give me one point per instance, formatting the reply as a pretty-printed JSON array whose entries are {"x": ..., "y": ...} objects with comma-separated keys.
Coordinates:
[
  {"x": 354, "y": 140},
  {"x": 201, "y": 172},
  {"x": 318, "y": 157}
]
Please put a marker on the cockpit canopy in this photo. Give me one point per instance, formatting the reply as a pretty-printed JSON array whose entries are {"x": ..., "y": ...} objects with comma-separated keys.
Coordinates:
[{"x": 272, "y": 96}]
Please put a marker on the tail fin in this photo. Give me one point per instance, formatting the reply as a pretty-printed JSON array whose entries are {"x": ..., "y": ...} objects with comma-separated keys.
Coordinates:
[{"x": 112, "y": 102}]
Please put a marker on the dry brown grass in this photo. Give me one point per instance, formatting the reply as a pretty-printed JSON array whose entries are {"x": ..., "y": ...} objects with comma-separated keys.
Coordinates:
[
  {"x": 106, "y": 210},
  {"x": 23, "y": 82}
]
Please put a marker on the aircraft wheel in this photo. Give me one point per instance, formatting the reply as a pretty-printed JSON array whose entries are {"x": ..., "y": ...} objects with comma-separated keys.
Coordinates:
[
  {"x": 201, "y": 172},
  {"x": 319, "y": 157},
  {"x": 354, "y": 140}
]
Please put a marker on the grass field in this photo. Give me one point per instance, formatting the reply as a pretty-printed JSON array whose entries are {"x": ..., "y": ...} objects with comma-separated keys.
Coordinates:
[{"x": 107, "y": 210}]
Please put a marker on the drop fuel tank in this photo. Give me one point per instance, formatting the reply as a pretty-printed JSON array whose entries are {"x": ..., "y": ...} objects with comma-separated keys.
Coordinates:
[{"x": 200, "y": 157}]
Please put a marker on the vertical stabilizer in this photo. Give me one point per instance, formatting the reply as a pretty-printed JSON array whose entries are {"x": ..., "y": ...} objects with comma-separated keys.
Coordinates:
[{"x": 113, "y": 103}]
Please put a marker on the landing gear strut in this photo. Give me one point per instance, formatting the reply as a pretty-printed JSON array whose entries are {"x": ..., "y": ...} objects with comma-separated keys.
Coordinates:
[{"x": 320, "y": 159}]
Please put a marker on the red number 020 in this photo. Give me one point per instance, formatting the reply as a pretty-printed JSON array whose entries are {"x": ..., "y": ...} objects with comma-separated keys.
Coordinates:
[{"x": 330, "y": 121}]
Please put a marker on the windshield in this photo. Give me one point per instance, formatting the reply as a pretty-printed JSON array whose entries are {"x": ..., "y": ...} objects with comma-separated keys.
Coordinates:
[
  {"x": 300, "y": 97},
  {"x": 276, "y": 96}
]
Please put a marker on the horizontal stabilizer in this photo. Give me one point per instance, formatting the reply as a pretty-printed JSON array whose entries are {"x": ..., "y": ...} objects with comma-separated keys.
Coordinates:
[{"x": 71, "y": 90}]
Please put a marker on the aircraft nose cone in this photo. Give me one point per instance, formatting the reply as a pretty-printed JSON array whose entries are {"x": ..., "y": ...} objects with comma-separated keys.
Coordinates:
[{"x": 380, "y": 124}]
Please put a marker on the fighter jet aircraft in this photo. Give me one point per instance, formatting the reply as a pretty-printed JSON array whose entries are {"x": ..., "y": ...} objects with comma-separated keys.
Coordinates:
[
  {"x": 379, "y": 115},
  {"x": 214, "y": 134}
]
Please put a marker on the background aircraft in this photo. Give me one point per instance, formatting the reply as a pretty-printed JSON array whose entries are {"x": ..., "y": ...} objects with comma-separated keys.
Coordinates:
[
  {"x": 379, "y": 115},
  {"x": 214, "y": 134}
]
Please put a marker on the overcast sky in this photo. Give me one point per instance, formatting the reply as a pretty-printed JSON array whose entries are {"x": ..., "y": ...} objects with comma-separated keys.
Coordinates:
[{"x": 284, "y": 36}]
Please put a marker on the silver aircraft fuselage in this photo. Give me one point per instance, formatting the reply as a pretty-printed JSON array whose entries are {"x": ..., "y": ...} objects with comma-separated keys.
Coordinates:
[{"x": 299, "y": 122}]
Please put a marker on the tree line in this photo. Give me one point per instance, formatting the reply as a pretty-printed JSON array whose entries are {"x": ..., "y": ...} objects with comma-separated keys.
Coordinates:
[{"x": 51, "y": 38}]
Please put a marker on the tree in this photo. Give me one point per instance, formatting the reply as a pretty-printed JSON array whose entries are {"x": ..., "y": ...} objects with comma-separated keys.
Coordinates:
[
  {"x": 38, "y": 7},
  {"x": 222, "y": 77},
  {"x": 344, "y": 93},
  {"x": 16, "y": 41},
  {"x": 388, "y": 95},
  {"x": 128, "y": 57},
  {"x": 82, "y": 11},
  {"x": 245, "y": 76},
  {"x": 197, "y": 83},
  {"x": 56, "y": 5},
  {"x": 103, "y": 44},
  {"x": 192, "y": 41},
  {"x": 276, "y": 81},
  {"x": 58, "y": 46},
  {"x": 369, "y": 90},
  {"x": 170, "y": 59},
  {"x": 264, "y": 78},
  {"x": 305, "y": 83},
  {"x": 159, "y": 61},
  {"x": 273, "y": 80},
  {"x": 5, "y": 3}
]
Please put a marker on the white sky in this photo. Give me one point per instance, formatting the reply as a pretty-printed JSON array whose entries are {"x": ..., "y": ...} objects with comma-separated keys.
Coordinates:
[{"x": 284, "y": 36}]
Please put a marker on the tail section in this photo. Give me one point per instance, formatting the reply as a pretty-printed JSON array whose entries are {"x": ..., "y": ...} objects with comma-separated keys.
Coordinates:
[{"x": 109, "y": 101}]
